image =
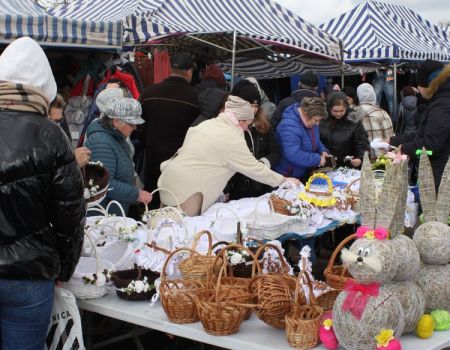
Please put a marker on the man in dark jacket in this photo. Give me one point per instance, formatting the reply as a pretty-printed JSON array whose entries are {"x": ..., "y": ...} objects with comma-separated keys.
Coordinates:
[
  {"x": 42, "y": 209},
  {"x": 433, "y": 132},
  {"x": 168, "y": 108},
  {"x": 306, "y": 88}
]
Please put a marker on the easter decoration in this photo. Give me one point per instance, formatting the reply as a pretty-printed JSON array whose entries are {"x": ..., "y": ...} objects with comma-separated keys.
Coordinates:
[
  {"x": 425, "y": 327},
  {"x": 432, "y": 238}
]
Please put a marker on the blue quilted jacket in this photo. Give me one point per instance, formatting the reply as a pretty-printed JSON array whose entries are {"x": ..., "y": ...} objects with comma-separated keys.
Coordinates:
[
  {"x": 110, "y": 148},
  {"x": 300, "y": 146}
]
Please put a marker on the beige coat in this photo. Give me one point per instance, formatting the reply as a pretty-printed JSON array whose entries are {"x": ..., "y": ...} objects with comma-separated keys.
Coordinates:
[{"x": 211, "y": 154}]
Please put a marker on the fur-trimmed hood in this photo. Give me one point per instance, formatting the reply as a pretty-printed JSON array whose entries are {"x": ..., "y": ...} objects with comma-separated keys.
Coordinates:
[{"x": 438, "y": 82}]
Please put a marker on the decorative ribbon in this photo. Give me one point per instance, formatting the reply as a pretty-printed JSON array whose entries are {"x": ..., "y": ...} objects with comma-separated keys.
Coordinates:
[
  {"x": 358, "y": 296},
  {"x": 379, "y": 233},
  {"x": 419, "y": 152}
]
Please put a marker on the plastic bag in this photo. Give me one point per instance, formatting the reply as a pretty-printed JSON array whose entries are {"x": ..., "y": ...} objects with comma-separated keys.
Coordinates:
[{"x": 64, "y": 331}]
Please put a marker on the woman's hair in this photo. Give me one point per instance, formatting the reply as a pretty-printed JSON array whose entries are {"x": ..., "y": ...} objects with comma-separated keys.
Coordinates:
[
  {"x": 337, "y": 99},
  {"x": 58, "y": 102},
  {"x": 261, "y": 122},
  {"x": 350, "y": 91},
  {"x": 408, "y": 91},
  {"x": 107, "y": 122},
  {"x": 313, "y": 107}
]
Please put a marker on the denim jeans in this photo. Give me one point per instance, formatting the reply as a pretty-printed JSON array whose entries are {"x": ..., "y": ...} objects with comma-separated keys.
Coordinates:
[
  {"x": 25, "y": 311},
  {"x": 380, "y": 85}
]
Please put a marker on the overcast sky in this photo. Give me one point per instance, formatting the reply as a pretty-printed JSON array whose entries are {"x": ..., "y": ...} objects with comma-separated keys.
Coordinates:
[{"x": 319, "y": 11}]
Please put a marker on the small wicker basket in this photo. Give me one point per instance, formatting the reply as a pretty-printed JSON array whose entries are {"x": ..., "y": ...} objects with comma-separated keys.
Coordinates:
[
  {"x": 153, "y": 217},
  {"x": 303, "y": 322},
  {"x": 337, "y": 275},
  {"x": 274, "y": 292},
  {"x": 177, "y": 296},
  {"x": 123, "y": 278}
]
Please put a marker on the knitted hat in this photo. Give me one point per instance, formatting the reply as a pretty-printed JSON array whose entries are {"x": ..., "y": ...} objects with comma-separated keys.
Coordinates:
[
  {"x": 366, "y": 94},
  {"x": 213, "y": 72},
  {"x": 125, "y": 109},
  {"x": 309, "y": 78},
  {"x": 24, "y": 62},
  {"x": 181, "y": 61},
  {"x": 247, "y": 91},
  {"x": 428, "y": 71},
  {"x": 107, "y": 95},
  {"x": 241, "y": 109}
]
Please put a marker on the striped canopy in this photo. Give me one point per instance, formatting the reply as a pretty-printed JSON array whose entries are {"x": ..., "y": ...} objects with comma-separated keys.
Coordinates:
[
  {"x": 25, "y": 18},
  {"x": 263, "y": 21},
  {"x": 378, "y": 31}
]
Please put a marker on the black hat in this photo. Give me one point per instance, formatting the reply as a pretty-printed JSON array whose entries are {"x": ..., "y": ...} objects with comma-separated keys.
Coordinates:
[
  {"x": 428, "y": 71},
  {"x": 309, "y": 79},
  {"x": 247, "y": 91},
  {"x": 181, "y": 61}
]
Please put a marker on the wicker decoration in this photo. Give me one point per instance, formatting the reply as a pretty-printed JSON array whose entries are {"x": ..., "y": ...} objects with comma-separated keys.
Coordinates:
[
  {"x": 177, "y": 296},
  {"x": 122, "y": 280},
  {"x": 303, "y": 322},
  {"x": 434, "y": 280},
  {"x": 196, "y": 267},
  {"x": 337, "y": 275},
  {"x": 413, "y": 302},
  {"x": 408, "y": 257},
  {"x": 367, "y": 195},
  {"x": 153, "y": 217},
  {"x": 319, "y": 199},
  {"x": 96, "y": 180},
  {"x": 281, "y": 205},
  {"x": 274, "y": 292},
  {"x": 326, "y": 299},
  {"x": 223, "y": 308},
  {"x": 381, "y": 312}
]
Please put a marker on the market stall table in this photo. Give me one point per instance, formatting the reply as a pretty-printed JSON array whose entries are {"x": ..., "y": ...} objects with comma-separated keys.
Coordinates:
[{"x": 253, "y": 334}]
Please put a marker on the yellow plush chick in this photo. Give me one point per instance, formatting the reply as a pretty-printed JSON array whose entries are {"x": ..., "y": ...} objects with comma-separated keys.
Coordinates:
[{"x": 425, "y": 327}]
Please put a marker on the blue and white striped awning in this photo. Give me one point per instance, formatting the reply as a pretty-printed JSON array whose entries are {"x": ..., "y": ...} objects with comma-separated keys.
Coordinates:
[
  {"x": 378, "y": 31},
  {"x": 25, "y": 18},
  {"x": 262, "y": 20}
]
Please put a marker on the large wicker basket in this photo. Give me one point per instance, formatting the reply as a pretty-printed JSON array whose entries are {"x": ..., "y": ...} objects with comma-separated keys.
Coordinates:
[
  {"x": 303, "y": 322},
  {"x": 274, "y": 292},
  {"x": 177, "y": 296},
  {"x": 337, "y": 275},
  {"x": 197, "y": 267}
]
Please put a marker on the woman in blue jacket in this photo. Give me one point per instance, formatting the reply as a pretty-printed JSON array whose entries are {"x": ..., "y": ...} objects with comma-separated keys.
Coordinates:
[
  {"x": 299, "y": 138},
  {"x": 106, "y": 138}
]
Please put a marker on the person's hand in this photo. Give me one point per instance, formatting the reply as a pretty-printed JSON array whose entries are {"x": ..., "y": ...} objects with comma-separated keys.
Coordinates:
[
  {"x": 293, "y": 181},
  {"x": 144, "y": 197},
  {"x": 325, "y": 154},
  {"x": 323, "y": 161},
  {"x": 399, "y": 149},
  {"x": 59, "y": 284},
  {"x": 356, "y": 162},
  {"x": 83, "y": 156}
]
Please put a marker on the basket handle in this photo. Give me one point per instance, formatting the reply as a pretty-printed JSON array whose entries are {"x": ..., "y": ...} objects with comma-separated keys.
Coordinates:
[
  {"x": 197, "y": 239},
  {"x": 348, "y": 188},
  {"x": 320, "y": 176},
  {"x": 176, "y": 251},
  {"x": 160, "y": 189},
  {"x": 256, "y": 263},
  {"x": 258, "y": 203},
  {"x": 339, "y": 248},
  {"x": 97, "y": 208},
  {"x": 94, "y": 248},
  {"x": 118, "y": 204},
  {"x": 166, "y": 223},
  {"x": 300, "y": 280}
]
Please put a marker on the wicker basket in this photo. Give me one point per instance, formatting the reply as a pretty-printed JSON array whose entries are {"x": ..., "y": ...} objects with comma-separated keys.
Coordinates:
[
  {"x": 280, "y": 205},
  {"x": 196, "y": 267},
  {"x": 177, "y": 296},
  {"x": 123, "y": 278},
  {"x": 153, "y": 217},
  {"x": 223, "y": 308},
  {"x": 274, "y": 292},
  {"x": 99, "y": 175},
  {"x": 337, "y": 275},
  {"x": 303, "y": 322}
]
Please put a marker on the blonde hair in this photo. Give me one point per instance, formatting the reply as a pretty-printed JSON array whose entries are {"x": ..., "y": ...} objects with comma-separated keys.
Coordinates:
[
  {"x": 313, "y": 107},
  {"x": 261, "y": 123}
]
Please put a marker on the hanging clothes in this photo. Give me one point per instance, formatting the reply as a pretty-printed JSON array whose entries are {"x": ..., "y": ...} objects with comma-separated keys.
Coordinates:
[
  {"x": 144, "y": 66},
  {"x": 126, "y": 78},
  {"x": 161, "y": 65}
]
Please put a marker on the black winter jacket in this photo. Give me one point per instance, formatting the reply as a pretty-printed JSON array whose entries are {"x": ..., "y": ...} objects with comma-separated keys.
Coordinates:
[
  {"x": 209, "y": 102},
  {"x": 344, "y": 137},
  {"x": 433, "y": 131},
  {"x": 296, "y": 97},
  {"x": 262, "y": 146},
  {"x": 42, "y": 209}
]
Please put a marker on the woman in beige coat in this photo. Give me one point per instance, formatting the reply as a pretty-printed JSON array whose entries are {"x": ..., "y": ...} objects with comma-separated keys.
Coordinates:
[{"x": 211, "y": 154}]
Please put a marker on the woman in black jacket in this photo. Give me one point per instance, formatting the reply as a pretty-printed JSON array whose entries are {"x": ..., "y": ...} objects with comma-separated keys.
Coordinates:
[
  {"x": 261, "y": 141},
  {"x": 342, "y": 133},
  {"x": 42, "y": 209}
]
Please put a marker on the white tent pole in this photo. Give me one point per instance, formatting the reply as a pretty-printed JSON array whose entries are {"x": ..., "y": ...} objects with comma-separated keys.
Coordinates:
[
  {"x": 233, "y": 58},
  {"x": 395, "y": 91}
]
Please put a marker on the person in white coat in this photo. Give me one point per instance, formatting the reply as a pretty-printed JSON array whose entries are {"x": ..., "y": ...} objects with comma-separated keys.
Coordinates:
[{"x": 211, "y": 154}]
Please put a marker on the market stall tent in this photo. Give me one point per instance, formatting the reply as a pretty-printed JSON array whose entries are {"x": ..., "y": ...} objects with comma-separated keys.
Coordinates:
[
  {"x": 25, "y": 18},
  {"x": 255, "y": 29}
]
